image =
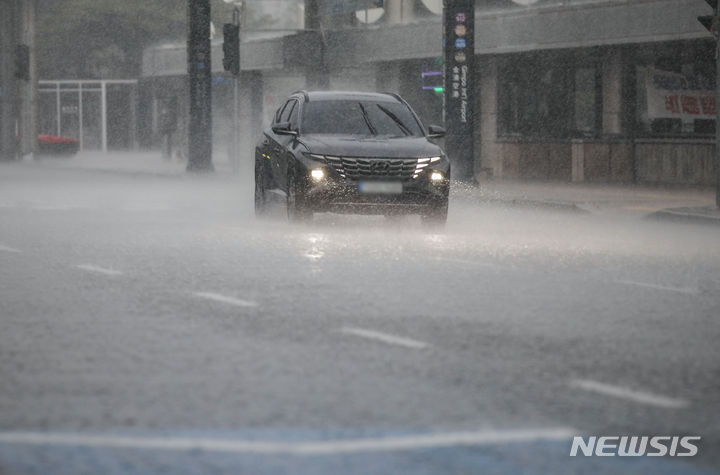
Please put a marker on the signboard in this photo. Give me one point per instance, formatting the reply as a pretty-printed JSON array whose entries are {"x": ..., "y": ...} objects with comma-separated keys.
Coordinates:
[
  {"x": 459, "y": 49},
  {"x": 676, "y": 96},
  {"x": 339, "y": 7}
]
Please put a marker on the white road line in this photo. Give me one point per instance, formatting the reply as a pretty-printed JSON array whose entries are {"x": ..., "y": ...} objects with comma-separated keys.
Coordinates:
[
  {"x": 331, "y": 447},
  {"x": 98, "y": 270},
  {"x": 630, "y": 394},
  {"x": 9, "y": 249},
  {"x": 225, "y": 299},
  {"x": 682, "y": 290},
  {"x": 385, "y": 338}
]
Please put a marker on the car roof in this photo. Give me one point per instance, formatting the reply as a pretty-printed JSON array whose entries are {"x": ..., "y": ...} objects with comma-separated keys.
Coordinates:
[{"x": 311, "y": 96}]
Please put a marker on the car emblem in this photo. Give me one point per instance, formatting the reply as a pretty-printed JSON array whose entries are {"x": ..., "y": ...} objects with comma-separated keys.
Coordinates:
[{"x": 380, "y": 166}]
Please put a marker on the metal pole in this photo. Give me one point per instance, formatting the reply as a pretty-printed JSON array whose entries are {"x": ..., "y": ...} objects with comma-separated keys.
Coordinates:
[
  {"x": 717, "y": 118},
  {"x": 200, "y": 81},
  {"x": 236, "y": 145},
  {"x": 8, "y": 82},
  {"x": 103, "y": 113},
  {"x": 58, "y": 109},
  {"x": 80, "y": 117}
]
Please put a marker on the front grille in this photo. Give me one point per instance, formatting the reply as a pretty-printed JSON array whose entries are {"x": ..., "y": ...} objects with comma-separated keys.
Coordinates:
[{"x": 359, "y": 168}]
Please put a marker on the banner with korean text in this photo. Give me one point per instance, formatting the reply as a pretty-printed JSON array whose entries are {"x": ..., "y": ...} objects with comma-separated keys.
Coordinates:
[{"x": 677, "y": 96}]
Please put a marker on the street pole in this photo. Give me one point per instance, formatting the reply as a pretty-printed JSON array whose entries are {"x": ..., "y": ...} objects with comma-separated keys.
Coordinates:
[
  {"x": 200, "y": 82},
  {"x": 458, "y": 97},
  {"x": 8, "y": 82},
  {"x": 712, "y": 24},
  {"x": 236, "y": 144},
  {"x": 717, "y": 115}
]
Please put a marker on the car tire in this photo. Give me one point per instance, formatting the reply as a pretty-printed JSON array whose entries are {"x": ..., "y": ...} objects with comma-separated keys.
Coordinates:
[
  {"x": 260, "y": 204},
  {"x": 297, "y": 210},
  {"x": 436, "y": 216}
]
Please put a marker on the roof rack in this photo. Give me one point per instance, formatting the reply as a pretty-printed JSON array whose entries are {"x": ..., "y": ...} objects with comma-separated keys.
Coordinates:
[
  {"x": 395, "y": 95},
  {"x": 304, "y": 93}
]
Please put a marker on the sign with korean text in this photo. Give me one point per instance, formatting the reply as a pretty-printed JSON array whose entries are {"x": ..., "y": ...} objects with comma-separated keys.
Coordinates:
[
  {"x": 459, "y": 49},
  {"x": 677, "y": 96}
]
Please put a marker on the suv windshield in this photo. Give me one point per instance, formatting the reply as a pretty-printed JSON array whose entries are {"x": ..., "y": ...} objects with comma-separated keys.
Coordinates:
[{"x": 359, "y": 118}]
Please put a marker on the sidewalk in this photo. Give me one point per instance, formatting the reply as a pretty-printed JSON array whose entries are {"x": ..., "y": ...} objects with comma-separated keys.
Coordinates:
[
  {"x": 131, "y": 163},
  {"x": 593, "y": 197},
  {"x": 675, "y": 203}
]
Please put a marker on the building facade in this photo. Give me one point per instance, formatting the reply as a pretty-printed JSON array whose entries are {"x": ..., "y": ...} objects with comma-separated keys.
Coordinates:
[{"x": 572, "y": 90}]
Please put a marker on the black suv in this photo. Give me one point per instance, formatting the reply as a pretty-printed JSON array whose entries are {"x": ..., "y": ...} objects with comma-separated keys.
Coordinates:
[{"x": 351, "y": 152}]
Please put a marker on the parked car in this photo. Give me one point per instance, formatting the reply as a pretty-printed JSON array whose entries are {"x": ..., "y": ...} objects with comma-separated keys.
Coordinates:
[
  {"x": 55, "y": 145},
  {"x": 351, "y": 152}
]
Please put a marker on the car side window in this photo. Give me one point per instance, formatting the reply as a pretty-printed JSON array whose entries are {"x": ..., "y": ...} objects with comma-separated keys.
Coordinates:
[
  {"x": 294, "y": 116},
  {"x": 286, "y": 113},
  {"x": 279, "y": 113}
]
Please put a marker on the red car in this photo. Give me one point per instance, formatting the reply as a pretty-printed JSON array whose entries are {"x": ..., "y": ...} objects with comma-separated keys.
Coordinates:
[{"x": 54, "y": 145}]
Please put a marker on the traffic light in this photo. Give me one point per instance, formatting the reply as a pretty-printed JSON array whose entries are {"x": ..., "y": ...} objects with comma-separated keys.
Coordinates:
[
  {"x": 231, "y": 48},
  {"x": 22, "y": 62},
  {"x": 711, "y": 22}
]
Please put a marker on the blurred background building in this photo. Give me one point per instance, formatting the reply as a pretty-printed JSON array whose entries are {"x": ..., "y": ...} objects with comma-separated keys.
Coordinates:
[
  {"x": 563, "y": 85},
  {"x": 584, "y": 90}
]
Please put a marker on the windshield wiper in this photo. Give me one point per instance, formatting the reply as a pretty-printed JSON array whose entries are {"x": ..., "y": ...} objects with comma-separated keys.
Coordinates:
[
  {"x": 367, "y": 119},
  {"x": 395, "y": 119}
]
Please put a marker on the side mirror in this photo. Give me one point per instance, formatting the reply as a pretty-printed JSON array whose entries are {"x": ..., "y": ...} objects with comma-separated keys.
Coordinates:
[
  {"x": 283, "y": 128},
  {"x": 436, "y": 132}
]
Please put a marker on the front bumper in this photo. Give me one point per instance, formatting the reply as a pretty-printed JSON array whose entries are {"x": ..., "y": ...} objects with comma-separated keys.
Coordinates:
[{"x": 344, "y": 196}]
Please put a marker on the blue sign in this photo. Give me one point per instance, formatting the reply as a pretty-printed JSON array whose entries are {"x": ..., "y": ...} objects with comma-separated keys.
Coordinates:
[{"x": 460, "y": 43}]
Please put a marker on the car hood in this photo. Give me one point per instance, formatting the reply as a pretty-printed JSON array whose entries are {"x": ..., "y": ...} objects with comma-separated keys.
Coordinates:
[{"x": 370, "y": 147}]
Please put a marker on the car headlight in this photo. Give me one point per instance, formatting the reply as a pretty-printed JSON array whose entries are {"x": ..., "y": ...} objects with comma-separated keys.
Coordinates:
[
  {"x": 317, "y": 174},
  {"x": 437, "y": 176}
]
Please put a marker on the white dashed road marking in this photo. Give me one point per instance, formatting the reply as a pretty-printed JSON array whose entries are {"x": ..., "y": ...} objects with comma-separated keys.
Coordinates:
[
  {"x": 682, "y": 290},
  {"x": 225, "y": 299},
  {"x": 630, "y": 394},
  {"x": 385, "y": 338},
  {"x": 330, "y": 447},
  {"x": 99, "y": 270},
  {"x": 9, "y": 249}
]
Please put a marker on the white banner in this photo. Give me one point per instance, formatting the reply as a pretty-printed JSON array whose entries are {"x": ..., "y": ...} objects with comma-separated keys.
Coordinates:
[{"x": 676, "y": 96}]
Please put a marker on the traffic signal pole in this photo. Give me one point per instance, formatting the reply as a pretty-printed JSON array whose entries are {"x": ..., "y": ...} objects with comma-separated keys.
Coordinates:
[
  {"x": 200, "y": 82},
  {"x": 712, "y": 23},
  {"x": 231, "y": 63},
  {"x": 9, "y": 19}
]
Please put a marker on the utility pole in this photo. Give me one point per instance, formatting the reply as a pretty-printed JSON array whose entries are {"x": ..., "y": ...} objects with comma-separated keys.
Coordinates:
[
  {"x": 27, "y": 123},
  {"x": 458, "y": 98},
  {"x": 200, "y": 82},
  {"x": 8, "y": 82},
  {"x": 317, "y": 76},
  {"x": 231, "y": 63},
  {"x": 712, "y": 23}
]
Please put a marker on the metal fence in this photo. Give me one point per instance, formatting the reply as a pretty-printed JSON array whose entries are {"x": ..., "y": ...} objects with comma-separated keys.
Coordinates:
[{"x": 101, "y": 114}]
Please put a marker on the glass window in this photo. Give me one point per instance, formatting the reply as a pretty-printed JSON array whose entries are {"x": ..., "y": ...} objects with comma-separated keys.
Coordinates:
[
  {"x": 586, "y": 88},
  {"x": 287, "y": 111},
  {"x": 535, "y": 96},
  {"x": 359, "y": 118},
  {"x": 294, "y": 116}
]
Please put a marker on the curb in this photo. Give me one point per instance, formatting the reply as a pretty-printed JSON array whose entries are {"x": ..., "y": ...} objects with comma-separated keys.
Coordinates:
[
  {"x": 684, "y": 216},
  {"x": 565, "y": 206},
  {"x": 135, "y": 172},
  {"x": 535, "y": 204}
]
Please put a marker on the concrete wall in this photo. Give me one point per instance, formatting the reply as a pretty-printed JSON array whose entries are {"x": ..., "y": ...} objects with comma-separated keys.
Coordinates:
[
  {"x": 542, "y": 161},
  {"x": 675, "y": 162},
  {"x": 602, "y": 161}
]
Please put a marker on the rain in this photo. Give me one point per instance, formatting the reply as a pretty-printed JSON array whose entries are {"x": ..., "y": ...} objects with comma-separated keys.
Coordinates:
[{"x": 359, "y": 236}]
